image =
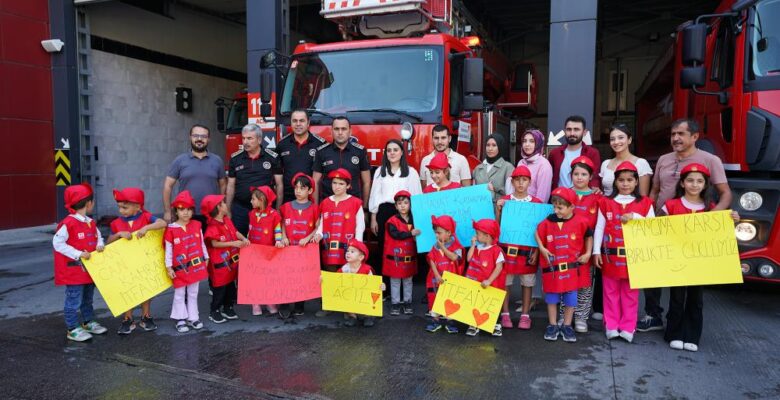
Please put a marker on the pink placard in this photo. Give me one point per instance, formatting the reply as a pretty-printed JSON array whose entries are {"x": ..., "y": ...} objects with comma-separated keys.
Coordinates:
[{"x": 268, "y": 275}]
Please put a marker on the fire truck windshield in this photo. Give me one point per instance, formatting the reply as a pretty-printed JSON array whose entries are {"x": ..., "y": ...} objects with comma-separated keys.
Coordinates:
[
  {"x": 407, "y": 79},
  {"x": 237, "y": 116},
  {"x": 765, "y": 39}
]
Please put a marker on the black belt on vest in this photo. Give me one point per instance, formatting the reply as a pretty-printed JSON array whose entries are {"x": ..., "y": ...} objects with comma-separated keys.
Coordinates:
[
  {"x": 232, "y": 261},
  {"x": 399, "y": 258},
  {"x": 617, "y": 251},
  {"x": 335, "y": 245},
  {"x": 515, "y": 251},
  {"x": 562, "y": 267},
  {"x": 74, "y": 264},
  {"x": 195, "y": 261}
]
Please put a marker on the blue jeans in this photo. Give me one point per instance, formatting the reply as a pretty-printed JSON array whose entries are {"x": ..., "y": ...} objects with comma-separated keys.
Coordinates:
[{"x": 78, "y": 297}]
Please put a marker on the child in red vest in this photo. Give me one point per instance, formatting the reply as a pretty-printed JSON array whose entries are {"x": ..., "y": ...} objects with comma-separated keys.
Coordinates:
[
  {"x": 76, "y": 237},
  {"x": 356, "y": 254},
  {"x": 300, "y": 218},
  {"x": 186, "y": 259},
  {"x": 620, "y": 301},
  {"x": 222, "y": 242},
  {"x": 685, "y": 319},
  {"x": 586, "y": 206},
  {"x": 400, "y": 254},
  {"x": 265, "y": 227},
  {"x": 486, "y": 262},
  {"x": 564, "y": 242},
  {"x": 446, "y": 255},
  {"x": 439, "y": 168},
  {"x": 520, "y": 261},
  {"x": 133, "y": 218}
]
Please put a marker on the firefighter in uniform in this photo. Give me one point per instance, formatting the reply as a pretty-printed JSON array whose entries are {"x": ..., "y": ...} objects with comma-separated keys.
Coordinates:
[
  {"x": 296, "y": 151},
  {"x": 346, "y": 154}
]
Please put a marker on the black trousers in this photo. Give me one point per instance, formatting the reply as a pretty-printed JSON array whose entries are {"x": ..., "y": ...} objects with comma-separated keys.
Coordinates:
[
  {"x": 223, "y": 296},
  {"x": 240, "y": 217},
  {"x": 598, "y": 292},
  {"x": 385, "y": 211},
  {"x": 653, "y": 303},
  {"x": 685, "y": 318}
]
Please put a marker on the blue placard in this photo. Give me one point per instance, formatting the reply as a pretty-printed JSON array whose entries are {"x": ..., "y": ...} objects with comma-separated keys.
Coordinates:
[
  {"x": 463, "y": 205},
  {"x": 519, "y": 220}
]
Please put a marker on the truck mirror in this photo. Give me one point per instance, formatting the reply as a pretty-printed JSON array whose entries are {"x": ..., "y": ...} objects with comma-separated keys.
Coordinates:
[
  {"x": 473, "y": 76},
  {"x": 473, "y": 102},
  {"x": 266, "y": 86},
  {"x": 268, "y": 60},
  {"x": 694, "y": 44},
  {"x": 693, "y": 77},
  {"x": 221, "y": 119}
]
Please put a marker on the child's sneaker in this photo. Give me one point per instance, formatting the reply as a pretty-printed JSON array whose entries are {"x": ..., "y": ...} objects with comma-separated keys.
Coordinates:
[
  {"x": 611, "y": 334},
  {"x": 368, "y": 322},
  {"x": 506, "y": 321},
  {"x": 691, "y": 347},
  {"x": 395, "y": 310},
  {"x": 182, "y": 327},
  {"x": 433, "y": 326},
  {"x": 649, "y": 323},
  {"x": 257, "y": 309},
  {"x": 676, "y": 344},
  {"x": 627, "y": 336},
  {"x": 272, "y": 310},
  {"x": 552, "y": 332},
  {"x": 568, "y": 334},
  {"x": 78, "y": 334},
  {"x": 525, "y": 322},
  {"x": 451, "y": 328},
  {"x": 580, "y": 326},
  {"x": 472, "y": 331},
  {"x": 195, "y": 324},
  {"x": 497, "y": 331},
  {"x": 216, "y": 317},
  {"x": 408, "y": 310},
  {"x": 597, "y": 316},
  {"x": 94, "y": 328},
  {"x": 147, "y": 324},
  {"x": 128, "y": 325},
  {"x": 229, "y": 313}
]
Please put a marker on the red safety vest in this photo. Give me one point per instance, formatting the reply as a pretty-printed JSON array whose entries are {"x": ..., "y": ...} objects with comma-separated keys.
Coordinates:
[
  {"x": 566, "y": 241},
  {"x": 298, "y": 223},
  {"x": 442, "y": 264},
  {"x": 81, "y": 236},
  {"x": 120, "y": 225},
  {"x": 588, "y": 207},
  {"x": 364, "y": 269},
  {"x": 262, "y": 225},
  {"x": 676, "y": 207},
  {"x": 483, "y": 263},
  {"x": 451, "y": 185},
  {"x": 400, "y": 256},
  {"x": 188, "y": 260},
  {"x": 613, "y": 250},
  {"x": 338, "y": 228},
  {"x": 516, "y": 257},
  {"x": 223, "y": 261}
]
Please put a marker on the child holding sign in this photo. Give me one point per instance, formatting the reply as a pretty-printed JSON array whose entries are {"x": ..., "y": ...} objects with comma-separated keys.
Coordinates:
[
  {"x": 400, "y": 253},
  {"x": 76, "y": 237},
  {"x": 133, "y": 218},
  {"x": 564, "y": 241},
  {"x": 626, "y": 203},
  {"x": 300, "y": 219},
  {"x": 684, "y": 319},
  {"x": 222, "y": 242},
  {"x": 356, "y": 254},
  {"x": 446, "y": 255},
  {"x": 265, "y": 227},
  {"x": 439, "y": 169},
  {"x": 486, "y": 262},
  {"x": 186, "y": 258},
  {"x": 520, "y": 262}
]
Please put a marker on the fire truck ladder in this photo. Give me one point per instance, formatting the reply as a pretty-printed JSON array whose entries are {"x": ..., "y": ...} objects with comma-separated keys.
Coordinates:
[{"x": 84, "y": 62}]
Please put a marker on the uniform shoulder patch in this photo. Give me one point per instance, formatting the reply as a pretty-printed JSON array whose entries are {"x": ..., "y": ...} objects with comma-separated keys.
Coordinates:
[
  {"x": 285, "y": 137},
  {"x": 236, "y": 153},
  {"x": 317, "y": 137},
  {"x": 358, "y": 145},
  {"x": 271, "y": 153},
  {"x": 323, "y": 146}
]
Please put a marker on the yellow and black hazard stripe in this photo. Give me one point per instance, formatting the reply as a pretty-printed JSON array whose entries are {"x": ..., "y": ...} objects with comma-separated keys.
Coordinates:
[{"x": 62, "y": 167}]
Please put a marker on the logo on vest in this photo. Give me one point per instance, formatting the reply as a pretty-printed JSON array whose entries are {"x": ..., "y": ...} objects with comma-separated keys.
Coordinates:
[
  {"x": 176, "y": 240},
  {"x": 573, "y": 236},
  {"x": 355, "y": 160},
  {"x": 81, "y": 235}
]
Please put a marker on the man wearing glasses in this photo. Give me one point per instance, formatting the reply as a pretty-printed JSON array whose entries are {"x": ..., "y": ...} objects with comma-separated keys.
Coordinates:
[
  {"x": 685, "y": 132},
  {"x": 199, "y": 171}
]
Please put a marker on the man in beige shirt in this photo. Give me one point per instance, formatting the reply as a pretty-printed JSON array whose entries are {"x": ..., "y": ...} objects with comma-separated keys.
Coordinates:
[{"x": 459, "y": 172}]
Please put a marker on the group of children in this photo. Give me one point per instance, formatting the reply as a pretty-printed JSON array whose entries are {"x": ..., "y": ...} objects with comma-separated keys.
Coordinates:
[{"x": 585, "y": 228}]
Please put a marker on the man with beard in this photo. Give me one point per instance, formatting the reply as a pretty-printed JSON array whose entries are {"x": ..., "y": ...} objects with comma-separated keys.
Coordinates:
[
  {"x": 342, "y": 153},
  {"x": 297, "y": 151},
  {"x": 459, "y": 171},
  {"x": 199, "y": 171},
  {"x": 562, "y": 156}
]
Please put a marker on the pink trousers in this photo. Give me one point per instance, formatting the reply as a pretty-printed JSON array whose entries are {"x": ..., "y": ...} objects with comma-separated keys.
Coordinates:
[
  {"x": 621, "y": 304},
  {"x": 185, "y": 303}
]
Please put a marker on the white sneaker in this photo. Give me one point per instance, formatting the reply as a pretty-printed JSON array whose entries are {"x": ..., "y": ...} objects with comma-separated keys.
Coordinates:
[
  {"x": 676, "y": 344},
  {"x": 182, "y": 327},
  {"x": 597, "y": 316},
  {"x": 94, "y": 327},
  {"x": 257, "y": 309},
  {"x": 78, "y": 334},
  {"x": 580, "y": 326},
  {"x": 611, "y": 334},
  {"x": 690, "y": 347},
  {"x": 628, "y": 337}
]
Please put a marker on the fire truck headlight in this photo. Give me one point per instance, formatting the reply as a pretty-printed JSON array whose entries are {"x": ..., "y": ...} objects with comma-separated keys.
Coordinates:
[
  {"x": 766, "y": 270},
  {"x": 745, "y": 231},
  {"x": 407, "y": 130},
  {"x": 750, "y": 201}
]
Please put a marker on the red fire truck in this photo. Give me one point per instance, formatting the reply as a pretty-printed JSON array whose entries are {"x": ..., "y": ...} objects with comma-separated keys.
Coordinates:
[{"x": 724, "y": 71}]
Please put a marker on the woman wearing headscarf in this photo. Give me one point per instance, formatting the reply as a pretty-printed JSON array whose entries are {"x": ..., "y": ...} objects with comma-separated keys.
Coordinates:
[
  {"x": 532, "y": 146},
  {"x": 493, "y": 170}
]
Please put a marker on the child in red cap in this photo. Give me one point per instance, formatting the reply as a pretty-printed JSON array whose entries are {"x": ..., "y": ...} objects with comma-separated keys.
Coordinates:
[
  {"x": 446, "y": 255},
  {"x": 76, "y": 237},
  {"x": 222, "y": 242},
  {"x": 265, "y": 227},
  {"x": 134, "y": 218},
  {"x": 341, "y": 220},
  {"x": 356, "y": 255},
  {"x": 300, "y": 218},
  {"x": 624, "y": 204},
  {"x": 486, "y": 262},
  {"x": 439, "y": 168},
  {"x": 520, "y": 263},
  {"x": 565, "y": 242},
  {"x": 685, "y": 319},
  {"x": 186, "y": 259},
  {"x": 399, "y": 261}
]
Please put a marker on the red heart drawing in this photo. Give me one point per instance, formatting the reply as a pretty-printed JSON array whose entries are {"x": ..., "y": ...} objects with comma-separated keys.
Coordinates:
[
  {"x": 450, "y": 307},
  {"x": 480, "y": 318},
  {"x": 375, "y": 296}
]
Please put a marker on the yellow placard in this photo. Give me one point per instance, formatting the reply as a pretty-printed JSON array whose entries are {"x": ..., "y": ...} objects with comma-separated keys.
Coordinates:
[
  {"x": 682, "y": 250},
  {"x": 129, "y": 272},
  {"x": 466, "y": 301},
  {"x": 352, "y": 293}
]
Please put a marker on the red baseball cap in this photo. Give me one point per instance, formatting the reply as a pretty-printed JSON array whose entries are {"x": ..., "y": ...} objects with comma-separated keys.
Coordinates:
[
  {"x": 439, "y": 161},
  {"x": 445, "y": 222},
  {"x": 488, "y": 226},
  {"x": 521, "y": 170},
  {"x": 130, "y": 195},
  {"x": 75, "y": 193},
  {"x": 360, "y": 246},
  {"x": 340, "y": 173},
  {"x": 402, "y": 193},
  {"x": 183, "y": 200},
  {"x": 269, "y": 194},
  {"x": 584, "y": 160},
  {"x": 695, "y": 167},
  {"x": 625, "y": 166},
  {"x": 210, "y": 202},
  {"x": 566, "y": 194}
]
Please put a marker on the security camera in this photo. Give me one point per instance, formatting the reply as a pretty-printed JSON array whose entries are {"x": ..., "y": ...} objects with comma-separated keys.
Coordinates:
[{"x": 52, "y": 45}]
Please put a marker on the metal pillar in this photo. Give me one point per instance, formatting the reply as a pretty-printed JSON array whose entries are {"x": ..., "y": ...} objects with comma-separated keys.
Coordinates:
[{"x": 572, "y": 61}]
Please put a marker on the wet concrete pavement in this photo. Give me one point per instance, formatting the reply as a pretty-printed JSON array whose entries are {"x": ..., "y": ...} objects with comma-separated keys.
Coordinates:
[{"x": 261, "y": 357}]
